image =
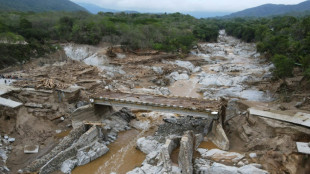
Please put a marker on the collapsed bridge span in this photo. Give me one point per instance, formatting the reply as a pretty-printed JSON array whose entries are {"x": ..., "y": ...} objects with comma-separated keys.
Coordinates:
[{"x": 172, "y": 104}]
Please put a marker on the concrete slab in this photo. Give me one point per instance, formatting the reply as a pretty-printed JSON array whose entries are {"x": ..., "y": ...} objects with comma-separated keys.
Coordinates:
[
  {"x": 299, "y": 118},
  {"x": 303, "y": 147},
  {"x": 9, "y": 103},
  {"x": 171, "y": 104},
  {"x": 30, "y": 149}
]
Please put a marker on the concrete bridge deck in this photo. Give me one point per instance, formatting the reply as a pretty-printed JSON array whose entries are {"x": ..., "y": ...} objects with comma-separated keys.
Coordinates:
[{"x": 179, "y": 105}]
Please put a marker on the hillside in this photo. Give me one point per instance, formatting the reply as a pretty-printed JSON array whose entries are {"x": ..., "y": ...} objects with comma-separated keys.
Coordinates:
[
  {"x": 39, "y": 5},
  {"x": 94, "y": 8},
  {"x": 272, "y": 9}
]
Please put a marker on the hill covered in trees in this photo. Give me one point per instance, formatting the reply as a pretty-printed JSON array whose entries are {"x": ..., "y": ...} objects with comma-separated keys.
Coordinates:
[
  {"x": 94, "y": 9},
  {"x": 166, "y": 32},
  {"x": 285, "y": 40},
  {"x": 39, "y": 5},
  {"x": 272, "y": 10}
]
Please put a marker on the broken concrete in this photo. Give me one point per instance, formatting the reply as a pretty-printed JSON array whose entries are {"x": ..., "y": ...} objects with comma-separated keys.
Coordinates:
[
  {"x": 218, "y": 136},
  {"x": 186, "y": 153}
]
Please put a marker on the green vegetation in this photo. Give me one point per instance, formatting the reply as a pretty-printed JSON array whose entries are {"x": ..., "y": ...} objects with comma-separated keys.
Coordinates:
[
  {"x": 285, "y": 40},
  {"x": 167, "y": 32}
]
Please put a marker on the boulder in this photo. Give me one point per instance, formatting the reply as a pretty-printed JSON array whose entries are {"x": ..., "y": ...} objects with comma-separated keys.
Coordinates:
[
  {"x": 220, "y": 155},
  {"x": 68, "y": 165},
  {"x": 148, "y": 145},
  {"x": 82, "y": 158}
]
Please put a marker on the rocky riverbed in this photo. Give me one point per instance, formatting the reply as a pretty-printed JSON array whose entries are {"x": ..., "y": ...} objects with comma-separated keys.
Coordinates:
[{"x": 74, "y": 136}]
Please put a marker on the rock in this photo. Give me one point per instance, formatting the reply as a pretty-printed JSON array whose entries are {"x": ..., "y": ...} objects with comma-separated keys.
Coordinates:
[
  {"x": 259, "y": 166},
  {"x": 240, "y": 164},
  {"x": 197, "y": 69},
  {"x": 62, "y": 118},
  {"x": 11, "y": 140},
  {"x": 125, "y": 114},
  {"x": 82, "y": 158},
  {"x": 176, "y": 170},
  {"x": 218, "y": 136},
  {"x": 201, "y": 166},
  {"x": 164, "y": 91},
  {"x": 68, "y": 165},
  {"x": 146, "y": 168},
  {"x": 217, "y": 168},
  {"x": 251, "y": 169},
  {"x": 34, "y": 105},
  {"x": 141, "y": 125},
  {"x": 148, "y": 145},
  {"x": 186, "y": 153},
  {"x": 176, "y": 76},
  {"x": 20, "y": 171},
  {"x": 152, "y": 158},
  {"x": 6, "y": 137},
  {"x": 99, "y": 149},
  {"x": 3, "y": 155},
  {"x": 253, "y": 155},
  {"x": 185, "y": 64},
  {"x": 58, "y": 131},
  {"x": 220, "y": 155},
  {"x": 158, "y": 70},
  {"x": 81, "y": 103}
]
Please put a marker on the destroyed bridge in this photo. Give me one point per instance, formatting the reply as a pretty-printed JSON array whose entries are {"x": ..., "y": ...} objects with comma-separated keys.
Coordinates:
[{"x": 173, "y": 104}]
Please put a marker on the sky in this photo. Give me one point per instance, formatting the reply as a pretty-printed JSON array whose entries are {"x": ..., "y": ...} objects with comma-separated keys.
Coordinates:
[{"x": 184, "y": 5}]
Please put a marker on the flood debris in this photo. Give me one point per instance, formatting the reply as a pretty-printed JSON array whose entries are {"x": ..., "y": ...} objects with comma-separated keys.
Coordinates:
[
  {"x": 303, "y": 147},
  {"x": 65, "y": 95},
  {"x": 30, "y": 149}
]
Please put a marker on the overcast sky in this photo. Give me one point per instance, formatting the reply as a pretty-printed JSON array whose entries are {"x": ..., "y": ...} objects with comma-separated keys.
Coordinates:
[{"x": 184, "y": 5}]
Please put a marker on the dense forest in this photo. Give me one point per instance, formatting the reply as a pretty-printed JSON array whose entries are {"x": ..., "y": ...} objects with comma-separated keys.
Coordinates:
[
  {"x": 166, "y": 32},
  {"x": 284, "y": 40}
]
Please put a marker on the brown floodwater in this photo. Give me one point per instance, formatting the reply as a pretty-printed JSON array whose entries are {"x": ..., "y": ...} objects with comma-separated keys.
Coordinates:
[
  {"x": 205, "y": 145},
  {"x": 208, "y": 145},
  {"x": 63, "y": 134},
  {"x": 121, "y": 158}
]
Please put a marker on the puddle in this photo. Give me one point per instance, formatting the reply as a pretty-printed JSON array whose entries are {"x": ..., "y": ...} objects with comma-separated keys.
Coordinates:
[
  {"x": 174, "y": 156},
  {"x": 63, "y": 134},
  {"x": 121, "y": 158},
  {"x": 207, "y": 145}
]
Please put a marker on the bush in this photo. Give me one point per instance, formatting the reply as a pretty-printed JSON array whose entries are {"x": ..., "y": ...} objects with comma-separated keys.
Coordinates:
[
  {"x": 307, "y": 73},
  {"x": 284, "y": 66}
]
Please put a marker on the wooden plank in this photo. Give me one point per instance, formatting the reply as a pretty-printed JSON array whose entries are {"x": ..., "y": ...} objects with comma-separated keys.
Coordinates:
[{"x": 299, "y": 118}]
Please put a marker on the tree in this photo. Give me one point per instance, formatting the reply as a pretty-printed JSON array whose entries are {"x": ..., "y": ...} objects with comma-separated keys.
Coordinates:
[{"x": 284, "y": 66}]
